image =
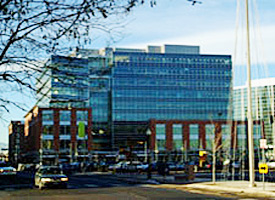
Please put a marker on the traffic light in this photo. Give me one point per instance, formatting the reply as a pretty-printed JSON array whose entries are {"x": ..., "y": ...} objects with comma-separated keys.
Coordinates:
[{"x": 202, "y": 156}]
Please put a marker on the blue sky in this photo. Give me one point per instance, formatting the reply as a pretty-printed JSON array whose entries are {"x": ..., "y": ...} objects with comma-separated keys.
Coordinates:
[{"x": 211, "y": 25}]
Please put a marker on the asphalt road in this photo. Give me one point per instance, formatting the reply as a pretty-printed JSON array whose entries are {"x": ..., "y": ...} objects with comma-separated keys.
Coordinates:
[{"x": 99, "y": 186}]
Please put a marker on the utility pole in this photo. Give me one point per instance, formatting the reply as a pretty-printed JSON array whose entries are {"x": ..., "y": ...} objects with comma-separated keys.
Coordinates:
[{"x": 249, "y": 105}]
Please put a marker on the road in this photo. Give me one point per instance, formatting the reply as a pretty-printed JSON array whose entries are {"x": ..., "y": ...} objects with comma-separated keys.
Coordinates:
[{"x": 99, "y": 186}]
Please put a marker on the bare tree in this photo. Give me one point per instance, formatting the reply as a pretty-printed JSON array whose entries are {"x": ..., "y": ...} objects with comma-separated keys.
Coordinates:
[{"x": 32, "y": 30}]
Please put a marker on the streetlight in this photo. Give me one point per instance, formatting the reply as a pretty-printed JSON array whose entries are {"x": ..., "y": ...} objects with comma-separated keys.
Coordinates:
[{"x": 148, "y": 139}]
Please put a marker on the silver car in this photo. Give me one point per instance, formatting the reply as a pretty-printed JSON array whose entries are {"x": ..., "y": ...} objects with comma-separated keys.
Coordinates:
[{"x": 50, "y": 176}]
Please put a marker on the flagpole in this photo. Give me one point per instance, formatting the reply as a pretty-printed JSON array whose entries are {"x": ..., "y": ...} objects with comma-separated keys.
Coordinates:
[{"x": 249, "y": 105}]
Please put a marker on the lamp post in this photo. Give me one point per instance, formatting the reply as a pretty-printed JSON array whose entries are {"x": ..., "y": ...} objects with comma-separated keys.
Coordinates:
[{"x": 148, "y": 139}]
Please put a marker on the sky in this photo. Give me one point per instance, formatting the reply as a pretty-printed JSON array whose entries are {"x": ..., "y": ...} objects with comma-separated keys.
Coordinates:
[{"x": 212, "y": 25}]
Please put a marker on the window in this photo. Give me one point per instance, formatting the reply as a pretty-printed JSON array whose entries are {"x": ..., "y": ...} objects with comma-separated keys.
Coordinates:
[
  {"x": 257, "y": 134},
  {"x": 47, "y": 144},
  {"x": 194, "y": 136},
  {"x": 241, "y": 137},
  {"x": 65, "y": 144},
  {"x": 226, "y": 136},
  {"x": 47, "y": 130},
  {"x": 64, "y": 130},
  {"x": 160, "y": 137},
  {"x": 47, "y": 115},
  {"x": 65, "y": 115},
  {"x": 82, "y": 115},
  {"x": 82, "y": 144},
  {"x": 177, "y": 136}
]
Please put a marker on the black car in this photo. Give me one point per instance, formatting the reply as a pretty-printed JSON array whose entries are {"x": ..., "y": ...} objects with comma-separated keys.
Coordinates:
[{"x": 50, "y": 176}]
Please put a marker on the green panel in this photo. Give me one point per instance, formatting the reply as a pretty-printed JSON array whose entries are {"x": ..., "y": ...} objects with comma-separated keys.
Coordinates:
[{"x": 81, "y": 129}]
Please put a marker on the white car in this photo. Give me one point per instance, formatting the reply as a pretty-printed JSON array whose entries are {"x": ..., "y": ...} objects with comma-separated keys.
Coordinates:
[
  {"x": 271, "y": 164},
  {"x": 7, "y": 171},
  {"x": 50, "y": 176}
]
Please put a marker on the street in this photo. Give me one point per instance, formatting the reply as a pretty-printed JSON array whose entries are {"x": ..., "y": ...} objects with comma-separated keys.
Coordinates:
[{"x": 100, "y": 186}]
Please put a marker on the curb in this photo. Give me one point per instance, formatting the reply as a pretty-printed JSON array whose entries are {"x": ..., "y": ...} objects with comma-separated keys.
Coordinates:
[{"x": 241, "y": 191}]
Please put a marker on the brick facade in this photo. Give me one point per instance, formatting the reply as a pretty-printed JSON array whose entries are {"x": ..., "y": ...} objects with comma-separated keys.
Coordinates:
[{"x": 34, "y": 130}]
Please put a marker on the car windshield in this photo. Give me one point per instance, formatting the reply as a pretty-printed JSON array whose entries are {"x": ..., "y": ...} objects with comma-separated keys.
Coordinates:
[{"x": 51, "y": 171}]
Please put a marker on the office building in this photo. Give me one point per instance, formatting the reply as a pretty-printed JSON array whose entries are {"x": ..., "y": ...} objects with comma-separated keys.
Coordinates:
[
  {"x": 262, "y": 105},
  {"x": 128, "y": 88}
]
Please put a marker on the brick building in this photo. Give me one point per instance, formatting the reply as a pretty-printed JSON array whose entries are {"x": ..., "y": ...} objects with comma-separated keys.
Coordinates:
[
  {"x": 58, "y": 134},
  {"x": 166, "y": 136}
]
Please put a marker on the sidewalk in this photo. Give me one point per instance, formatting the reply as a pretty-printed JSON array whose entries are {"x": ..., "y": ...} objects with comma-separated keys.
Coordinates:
[{"x": 238, "y": 188}]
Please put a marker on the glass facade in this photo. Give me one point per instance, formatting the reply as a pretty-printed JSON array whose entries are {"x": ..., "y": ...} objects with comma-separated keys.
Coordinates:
[
  {"x": 169, "y": 86},
  {"x": 127, "y": 87},
  {"x": 262, "y": 104},
  {"x": 69, "y": 82}
]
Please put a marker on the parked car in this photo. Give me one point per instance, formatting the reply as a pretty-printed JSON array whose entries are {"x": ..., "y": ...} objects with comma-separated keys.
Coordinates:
[
  {"x": 6, "y": 170},
  {"x": 180, "y": 166},
  {"x": 121, "y": 166},
  {"x": 142, "y": 167},
  {"x": 172, "y": 166},
  {"x": 271, "y": 164},
  {"x": 90, "y": 166},
  {"x": 50, "y": 176}
]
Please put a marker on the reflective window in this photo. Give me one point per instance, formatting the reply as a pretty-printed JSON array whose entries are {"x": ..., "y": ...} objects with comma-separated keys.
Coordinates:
[
  {"x": 226, "y": 136},
  {"x": 47, "y": 115},
  {"x": 194, "y": 136},
  {"x": 64, "y": 130},
  {"x": 64, "y": 144},
  {"x": 47, "y": 144},
  {"x": 82, "y": 115},
  {"x": 82, "y": 144},
  {"x": 160, "y": 136},
  {"x": 65, "y": 115},
  {"x": 257, "y": 135},
  {"x": 177, "y": 137},
  {"x": 241, "y": 137},
  {"x": 209, "y": 136},
  {"x": 47, "y": 130}
]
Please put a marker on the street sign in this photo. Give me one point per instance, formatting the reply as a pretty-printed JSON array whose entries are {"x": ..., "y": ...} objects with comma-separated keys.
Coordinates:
[
  {"x": 263, "y": 144},
  {"x": 263, "y": 168}
]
